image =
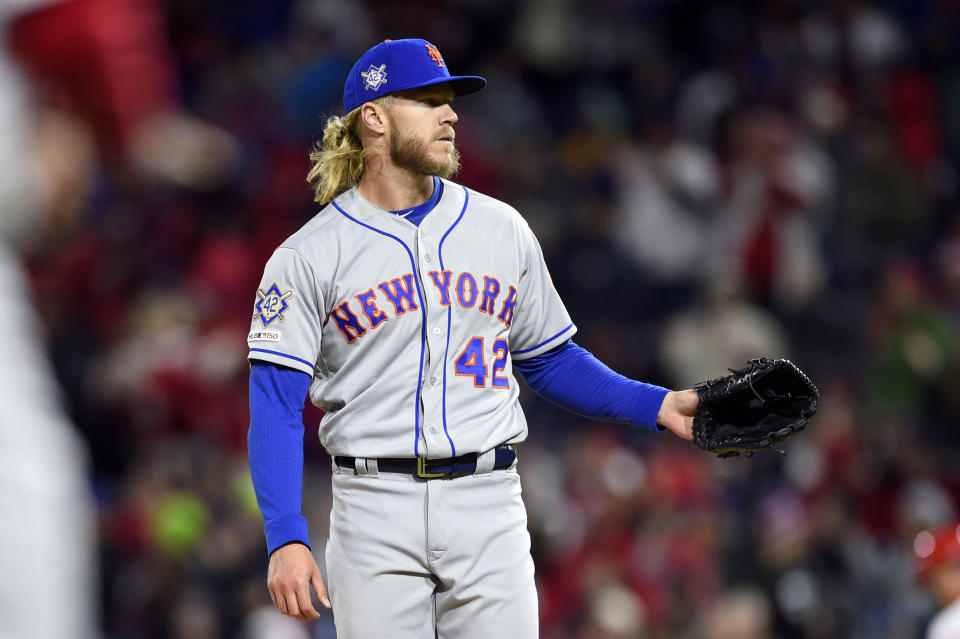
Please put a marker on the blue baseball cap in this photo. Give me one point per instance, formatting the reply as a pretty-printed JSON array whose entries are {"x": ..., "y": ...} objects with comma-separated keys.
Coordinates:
[{"x": 398, "y": 65}]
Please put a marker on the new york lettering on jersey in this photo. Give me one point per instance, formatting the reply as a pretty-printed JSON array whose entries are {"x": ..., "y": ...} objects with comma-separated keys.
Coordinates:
[{"x": 399, "y": 296}]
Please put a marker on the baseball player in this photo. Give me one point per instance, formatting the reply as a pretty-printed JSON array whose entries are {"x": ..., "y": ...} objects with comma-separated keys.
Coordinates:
[
  {"x": 937, "y": 565},
  {"x": 403, "y": 308}
]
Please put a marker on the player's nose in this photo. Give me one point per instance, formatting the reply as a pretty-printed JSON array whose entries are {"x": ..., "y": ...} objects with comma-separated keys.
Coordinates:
[{"x": 448, "y": 115}]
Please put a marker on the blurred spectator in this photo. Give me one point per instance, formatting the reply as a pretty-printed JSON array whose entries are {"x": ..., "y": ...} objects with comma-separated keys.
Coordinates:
[
  {"x": 913, "y": 341},
  {"x": 779, "y": 183},
  {"x": 669, "y": 197},
  {"x": 937, "y": 555},
  {"x": 738, "y": 614},
  {"x": 720, "y": 330}
]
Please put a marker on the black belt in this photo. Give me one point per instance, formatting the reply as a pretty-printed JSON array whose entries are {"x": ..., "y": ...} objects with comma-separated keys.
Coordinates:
[{"x": 433, "y": 468}]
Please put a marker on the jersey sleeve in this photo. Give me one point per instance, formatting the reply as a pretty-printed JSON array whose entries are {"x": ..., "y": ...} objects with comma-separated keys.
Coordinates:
[
  {"x": 541, "y": 321},
  {"x": 287, "y": 313}
]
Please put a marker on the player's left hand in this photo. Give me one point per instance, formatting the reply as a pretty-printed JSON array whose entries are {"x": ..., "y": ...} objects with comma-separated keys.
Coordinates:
[{"x": 676, "y": 412}]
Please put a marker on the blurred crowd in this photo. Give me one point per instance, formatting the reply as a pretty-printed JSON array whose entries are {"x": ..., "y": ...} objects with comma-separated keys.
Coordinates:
[{"x": 709, "y": 181}]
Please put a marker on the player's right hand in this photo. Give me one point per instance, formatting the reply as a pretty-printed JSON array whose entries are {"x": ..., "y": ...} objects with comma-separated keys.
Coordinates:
[{"x": 291, "y": 572}]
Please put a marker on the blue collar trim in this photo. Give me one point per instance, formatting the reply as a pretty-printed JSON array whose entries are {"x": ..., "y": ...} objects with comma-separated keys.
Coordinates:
[{"x": 417, "y": 213}]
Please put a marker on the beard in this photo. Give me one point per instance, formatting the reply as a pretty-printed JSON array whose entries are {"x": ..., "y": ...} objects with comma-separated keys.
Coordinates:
[{"x": 410, "y": 153}]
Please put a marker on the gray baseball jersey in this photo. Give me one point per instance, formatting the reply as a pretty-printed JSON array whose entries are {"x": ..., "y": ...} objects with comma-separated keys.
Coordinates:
[{"x": 409, "y": 332}]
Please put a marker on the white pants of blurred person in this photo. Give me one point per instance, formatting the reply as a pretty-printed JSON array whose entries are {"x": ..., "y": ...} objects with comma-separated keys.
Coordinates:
[{"x": 47, "y": 528}]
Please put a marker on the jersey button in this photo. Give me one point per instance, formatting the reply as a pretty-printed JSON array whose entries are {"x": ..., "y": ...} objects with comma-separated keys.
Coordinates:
[
  {"x": 437, "y": 330},
  {"x": 427, "y": 257},
  {"x": 433, "y": 381},
  {"x": 433, "y": 429}
]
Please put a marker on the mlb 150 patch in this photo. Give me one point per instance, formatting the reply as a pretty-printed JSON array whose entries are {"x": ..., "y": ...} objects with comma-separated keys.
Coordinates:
[{"x": 264, "y": 336}]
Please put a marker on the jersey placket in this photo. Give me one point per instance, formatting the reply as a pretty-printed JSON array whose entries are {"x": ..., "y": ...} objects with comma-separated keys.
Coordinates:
[{"x": 435, "y": 436}]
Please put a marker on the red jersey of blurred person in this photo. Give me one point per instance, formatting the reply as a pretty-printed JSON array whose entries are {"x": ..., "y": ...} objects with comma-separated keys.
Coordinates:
[
  {"x": 104, "y": 59},
  {"x": 935, "y": 549}
]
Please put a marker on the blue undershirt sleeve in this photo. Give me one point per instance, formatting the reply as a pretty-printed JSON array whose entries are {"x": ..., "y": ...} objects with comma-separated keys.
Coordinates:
[
  {"x": 275, "y": 450},
  {"x": 574, "y": 379}
]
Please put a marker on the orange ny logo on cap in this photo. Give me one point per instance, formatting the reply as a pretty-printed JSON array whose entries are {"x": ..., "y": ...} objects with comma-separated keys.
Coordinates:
[{"x": 434, "y": 54}]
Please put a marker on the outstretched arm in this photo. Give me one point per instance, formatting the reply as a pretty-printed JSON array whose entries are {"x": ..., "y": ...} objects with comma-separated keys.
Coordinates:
[{"x": 574, "y": 379}]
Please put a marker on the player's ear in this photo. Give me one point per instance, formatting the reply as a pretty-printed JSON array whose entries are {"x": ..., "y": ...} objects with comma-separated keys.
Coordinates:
[{"x": 373, "y": 116}]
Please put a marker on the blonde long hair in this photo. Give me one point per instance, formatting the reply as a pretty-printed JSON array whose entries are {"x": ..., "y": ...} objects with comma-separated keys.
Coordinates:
[{"x": 338, "y": 158}]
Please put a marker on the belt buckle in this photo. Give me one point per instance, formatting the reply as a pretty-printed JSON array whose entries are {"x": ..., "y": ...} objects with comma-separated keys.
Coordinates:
[{"x": 422, "y": 470}]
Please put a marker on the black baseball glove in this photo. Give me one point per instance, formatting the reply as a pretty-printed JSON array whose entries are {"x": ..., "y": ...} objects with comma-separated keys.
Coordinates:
[{"x": 753, "y": 408}]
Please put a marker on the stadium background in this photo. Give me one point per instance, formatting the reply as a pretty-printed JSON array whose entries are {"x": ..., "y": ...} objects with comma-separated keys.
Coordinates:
[{"x": 709, "y": 181}]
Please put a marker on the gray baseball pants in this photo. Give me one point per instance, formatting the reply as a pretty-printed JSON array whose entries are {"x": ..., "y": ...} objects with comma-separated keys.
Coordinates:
[{"x": 446, "y": 558}]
